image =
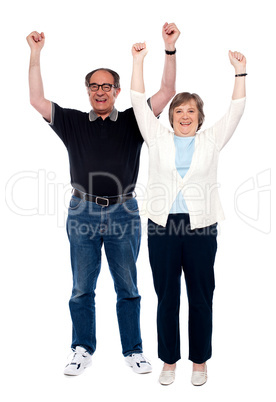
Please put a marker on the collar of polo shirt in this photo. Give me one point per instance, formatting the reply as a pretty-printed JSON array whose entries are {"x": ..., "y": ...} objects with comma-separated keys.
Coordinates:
[{"x": 113, "y": 115}]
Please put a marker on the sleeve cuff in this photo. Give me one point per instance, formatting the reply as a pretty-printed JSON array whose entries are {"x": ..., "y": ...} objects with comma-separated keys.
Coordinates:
[
  {"x": 51, "y": 123},
  {"x": 138, "y": 94},
  {"x": 240, "y": 100}
]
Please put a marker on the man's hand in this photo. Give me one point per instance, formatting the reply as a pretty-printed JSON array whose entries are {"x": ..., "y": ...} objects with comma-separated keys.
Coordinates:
[
  {"x": 238, "y": 61},
  {"x": 139, "y": 51},
  {"x": 170, "y": 34},
  {"x": 36, "y": 40}
]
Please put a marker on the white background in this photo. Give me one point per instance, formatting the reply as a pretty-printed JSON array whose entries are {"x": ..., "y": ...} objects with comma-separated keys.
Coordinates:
[{"x": 35, "y": 266}]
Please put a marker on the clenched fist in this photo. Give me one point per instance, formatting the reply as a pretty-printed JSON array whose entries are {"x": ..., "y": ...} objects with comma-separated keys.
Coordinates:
[
  {"x": 238, "y": 61},
  {"x": 36, "y": 40}
]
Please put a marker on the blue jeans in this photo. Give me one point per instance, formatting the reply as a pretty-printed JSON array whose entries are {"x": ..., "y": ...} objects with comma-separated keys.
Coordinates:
[{"x": 118, "y": 227}]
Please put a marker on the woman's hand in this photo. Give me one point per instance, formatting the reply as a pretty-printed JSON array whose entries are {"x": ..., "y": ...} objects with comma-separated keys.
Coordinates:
[
  {"x": 238, "y": 61},
  {"x": 139, "y": 51}
]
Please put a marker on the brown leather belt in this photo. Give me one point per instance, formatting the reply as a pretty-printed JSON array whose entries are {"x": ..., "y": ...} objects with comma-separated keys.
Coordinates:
[{"x": 103, "y": 201}]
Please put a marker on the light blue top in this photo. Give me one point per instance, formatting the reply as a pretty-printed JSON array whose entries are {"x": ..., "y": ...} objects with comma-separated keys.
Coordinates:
[{"x": 184, "y": 150}]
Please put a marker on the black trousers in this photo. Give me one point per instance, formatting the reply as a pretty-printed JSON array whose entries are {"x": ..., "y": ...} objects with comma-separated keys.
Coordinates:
[{"x": 171, "y": 250}]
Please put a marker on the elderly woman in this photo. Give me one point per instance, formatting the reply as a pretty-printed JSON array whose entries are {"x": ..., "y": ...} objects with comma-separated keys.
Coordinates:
[{"x": 183, "y": 207}]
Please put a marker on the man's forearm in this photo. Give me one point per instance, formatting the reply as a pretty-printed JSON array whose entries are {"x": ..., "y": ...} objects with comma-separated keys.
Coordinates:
[
  {"x": 37, "y": 99},
  {"x": 170, "y": 34},
  {"x": 167, "y": 88},
  {"x": 169, "y": 76},
  {"x": 35, "y": 79}
]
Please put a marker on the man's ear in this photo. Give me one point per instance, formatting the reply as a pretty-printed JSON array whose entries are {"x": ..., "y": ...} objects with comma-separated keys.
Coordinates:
[{"x": 118, "y": 90}]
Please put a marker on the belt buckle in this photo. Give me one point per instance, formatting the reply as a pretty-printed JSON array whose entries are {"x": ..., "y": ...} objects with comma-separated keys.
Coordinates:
[{"x": 102, "y": 198}]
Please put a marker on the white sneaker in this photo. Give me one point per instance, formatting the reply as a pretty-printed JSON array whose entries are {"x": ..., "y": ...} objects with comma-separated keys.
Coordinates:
[
  {"x": 81, "y": 359},
  {"x": 139, "y": 363}
]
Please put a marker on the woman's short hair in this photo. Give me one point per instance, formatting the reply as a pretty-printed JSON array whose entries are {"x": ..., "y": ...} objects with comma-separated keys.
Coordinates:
[
  {"x": 185, "y": 97},
  {"x": 113, "y": 73}
]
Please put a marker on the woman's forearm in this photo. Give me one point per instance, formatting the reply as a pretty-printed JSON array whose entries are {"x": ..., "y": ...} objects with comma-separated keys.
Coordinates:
[
  {"x": 239, "y": 87},
  {"x": 139, "y": 51},
  {"x": 238, "y": 61},
  {"x": 137, "y": 79}
]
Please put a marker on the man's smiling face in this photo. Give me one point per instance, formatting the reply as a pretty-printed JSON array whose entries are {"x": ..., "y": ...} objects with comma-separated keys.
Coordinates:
[{"x": 103, "y": 102}]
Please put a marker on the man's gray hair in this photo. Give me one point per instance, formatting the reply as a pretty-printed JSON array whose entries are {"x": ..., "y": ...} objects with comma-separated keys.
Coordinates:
[{"x": 113, "y": 73}]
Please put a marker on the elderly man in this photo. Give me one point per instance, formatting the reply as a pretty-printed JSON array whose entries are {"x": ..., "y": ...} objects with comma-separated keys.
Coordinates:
[{"x": 104, "y": 150}]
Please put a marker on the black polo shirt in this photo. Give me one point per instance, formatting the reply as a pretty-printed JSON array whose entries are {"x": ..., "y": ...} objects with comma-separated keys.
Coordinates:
[{"x": 103, "y": 154}]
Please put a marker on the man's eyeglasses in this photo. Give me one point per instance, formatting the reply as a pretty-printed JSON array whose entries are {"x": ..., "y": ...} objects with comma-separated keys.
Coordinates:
[{"x": 105, "y": 87}]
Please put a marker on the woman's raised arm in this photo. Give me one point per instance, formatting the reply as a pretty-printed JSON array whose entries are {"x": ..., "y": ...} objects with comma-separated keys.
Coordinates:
[
  {"x": 139, "y": 51},
  {"x": 238, "y": 61}
]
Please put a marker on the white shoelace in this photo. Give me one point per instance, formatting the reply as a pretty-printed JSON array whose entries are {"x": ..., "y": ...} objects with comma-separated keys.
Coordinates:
[
  {"x": 139, "y": 358},
  {"x": 77, "y": 357}
]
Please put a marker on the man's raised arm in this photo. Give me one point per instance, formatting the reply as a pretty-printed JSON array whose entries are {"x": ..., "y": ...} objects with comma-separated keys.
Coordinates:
[
  {"x": 37, "y": 99},
  {"x": 159, "y": 100}
]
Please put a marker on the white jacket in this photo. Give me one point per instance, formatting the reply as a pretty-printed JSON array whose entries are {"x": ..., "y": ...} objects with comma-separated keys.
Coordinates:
[{"x": 199, "y": 186}]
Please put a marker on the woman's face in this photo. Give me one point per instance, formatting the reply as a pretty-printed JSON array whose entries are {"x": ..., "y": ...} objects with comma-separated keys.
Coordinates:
[{"x": 185, "y": 119}]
